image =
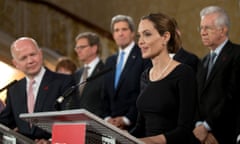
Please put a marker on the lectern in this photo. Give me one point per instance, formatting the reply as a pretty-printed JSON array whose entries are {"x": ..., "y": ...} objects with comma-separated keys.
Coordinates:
[{"x": 96, "y": 129}]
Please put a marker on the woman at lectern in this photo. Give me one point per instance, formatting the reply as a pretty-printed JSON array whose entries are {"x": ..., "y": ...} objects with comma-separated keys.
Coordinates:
[{"x": 166, "y": 103}]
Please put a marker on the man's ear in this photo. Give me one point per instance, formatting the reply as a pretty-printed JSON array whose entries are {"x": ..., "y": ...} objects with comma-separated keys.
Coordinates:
[
  {"x": 224, "y": 30},
  {"x": 41, "y": 53},
  {"x": 14, "y": 62},
  {"x": 94, "y": 48}
]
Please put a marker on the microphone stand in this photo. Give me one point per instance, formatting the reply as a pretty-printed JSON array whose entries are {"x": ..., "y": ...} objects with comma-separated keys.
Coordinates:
[
  {"x": 8, "y": 85},
  {"x": 69, "y": 91}
]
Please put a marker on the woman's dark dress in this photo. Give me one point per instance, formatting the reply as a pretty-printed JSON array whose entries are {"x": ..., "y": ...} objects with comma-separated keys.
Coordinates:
[{"x": 167, "y": 106}]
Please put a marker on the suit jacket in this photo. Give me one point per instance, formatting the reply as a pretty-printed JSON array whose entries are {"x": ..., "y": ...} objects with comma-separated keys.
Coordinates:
[
  {"x": 122, "y": 100},
  {"x": 217, "y": 94},
  {"x": 188, "y": 58},
  {"x": 92, "y": 95},
  {"x": 52, "y": 86}
]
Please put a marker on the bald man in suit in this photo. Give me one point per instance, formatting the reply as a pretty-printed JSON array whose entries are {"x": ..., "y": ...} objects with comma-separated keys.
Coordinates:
[{"x": 47, "y": 87}]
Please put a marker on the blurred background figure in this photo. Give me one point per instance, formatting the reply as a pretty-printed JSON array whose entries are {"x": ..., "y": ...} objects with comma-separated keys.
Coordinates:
[
  {"x": 182, "y": 55},
  {"x": 36, "y": 92},
  {"x": 89, "y": 95},
  {"x": 122, "y": 85},
  {"x": 218, "y": 79},
  {"x": 66, "y": 66}
]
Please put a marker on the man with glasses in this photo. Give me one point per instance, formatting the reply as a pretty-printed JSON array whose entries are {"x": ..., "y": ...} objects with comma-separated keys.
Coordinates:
[
  {"x": 218, "y": 81},
  {"x": 89, "y": 94}
]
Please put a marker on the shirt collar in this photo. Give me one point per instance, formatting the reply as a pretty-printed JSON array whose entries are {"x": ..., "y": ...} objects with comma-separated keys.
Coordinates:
[
  {"x": 128, "y": 48},
  {"x": 92, "y": 65},
  {"x": 219, "y": 48},
  {"x": 38, "y": 77}
]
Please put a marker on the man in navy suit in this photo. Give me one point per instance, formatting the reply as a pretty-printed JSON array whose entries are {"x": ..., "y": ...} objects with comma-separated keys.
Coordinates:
[
  {"x": 183, "y": 55},
  {"x": 218, "y": 81},
  {"x": 88, "y": 48},
  {"x": 120, "y": 95},
  {"x": 188, "y": 58},
  {"x": 47, "y": 86}
]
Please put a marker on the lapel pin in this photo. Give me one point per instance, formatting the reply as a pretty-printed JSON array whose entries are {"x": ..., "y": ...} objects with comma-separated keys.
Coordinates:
[{"x": 45, "y": 88}]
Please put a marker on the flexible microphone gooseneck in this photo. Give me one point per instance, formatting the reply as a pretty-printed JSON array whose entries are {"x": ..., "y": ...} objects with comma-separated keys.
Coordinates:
[
  {"x": 8, "y": 85},
  {"x": 72, "y": 88}
]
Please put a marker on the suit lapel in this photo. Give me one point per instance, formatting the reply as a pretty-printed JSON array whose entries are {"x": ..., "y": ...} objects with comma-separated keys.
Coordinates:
[
  {"x": 21, "y": 92},
  {"x": 43, "y": 90},
  {"x": 129, "y": 64},
  {"x": 112, "y": 74},
  {"x": 223, "y": 58},
  {"x": 78, "y": 75},
  {"x": 202, "y": 73},
  {"x": 96, "y": 70}
]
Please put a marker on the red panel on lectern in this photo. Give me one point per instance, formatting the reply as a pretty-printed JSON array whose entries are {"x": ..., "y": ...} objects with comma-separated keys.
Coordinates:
[{"x": 68, "y": 133}]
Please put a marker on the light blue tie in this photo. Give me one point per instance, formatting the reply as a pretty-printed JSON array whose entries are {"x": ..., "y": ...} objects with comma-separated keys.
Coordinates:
[{"x": 119, "y": 69}]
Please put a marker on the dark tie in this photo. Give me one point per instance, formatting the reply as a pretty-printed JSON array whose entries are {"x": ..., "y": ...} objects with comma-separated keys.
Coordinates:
[
  {"x": 211, "y": 63},
  {"x": 83, "y": 79},
  {"x": 30, "y": 98},
  {"x": 119, "y": 69}
]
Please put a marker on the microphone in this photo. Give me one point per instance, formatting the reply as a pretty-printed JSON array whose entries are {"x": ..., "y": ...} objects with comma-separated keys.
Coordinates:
[
  {"x": 72, "y": 88},
  {"x": 8, "y": 85}
]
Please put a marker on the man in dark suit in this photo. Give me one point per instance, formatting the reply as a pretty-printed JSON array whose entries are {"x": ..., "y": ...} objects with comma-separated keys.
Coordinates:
[
  {"x": 218, "y": 81},
  {"x": 38, "y": 96},
  {"x": 183, "y": 55},
  {"x": 188, "y": 58},
  {"x": 90, "y": 95},
  {"x": 122, "y": 91}
]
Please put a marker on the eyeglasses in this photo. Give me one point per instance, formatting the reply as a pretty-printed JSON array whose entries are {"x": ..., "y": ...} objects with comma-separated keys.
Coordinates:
[
  {"x": 81, "y": 47},
  {"x": 207, "y": 28}
]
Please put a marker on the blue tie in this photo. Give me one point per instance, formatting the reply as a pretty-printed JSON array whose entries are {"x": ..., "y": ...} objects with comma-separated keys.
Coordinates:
[{"x": 119, "y": 69}]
